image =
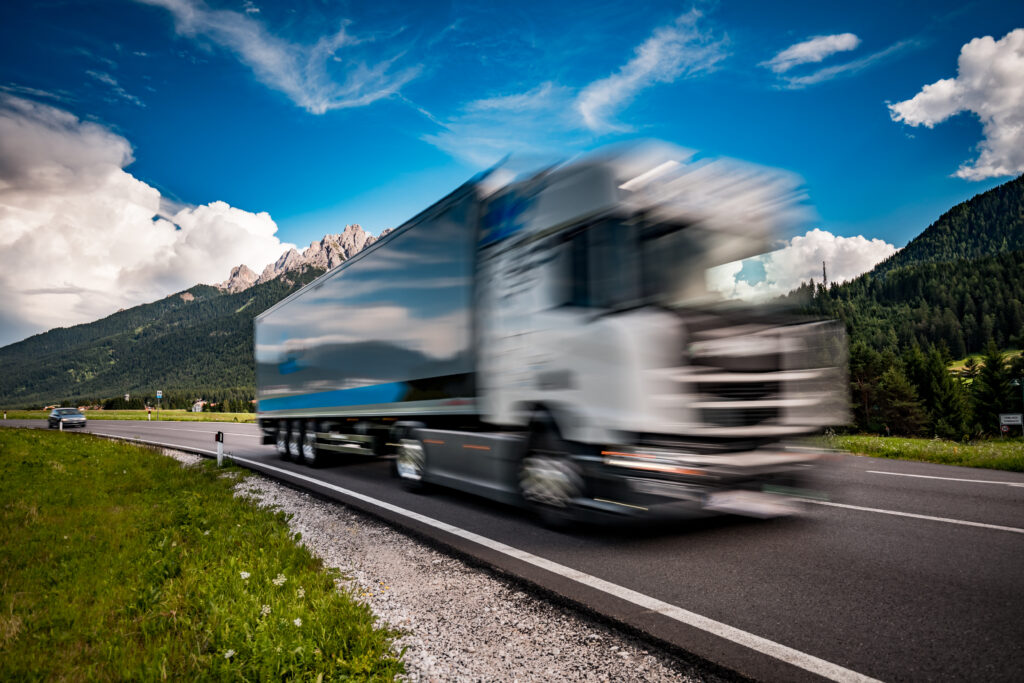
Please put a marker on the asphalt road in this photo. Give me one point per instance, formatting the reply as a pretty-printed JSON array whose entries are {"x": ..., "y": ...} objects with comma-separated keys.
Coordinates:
[{"x": 911, "y": 571}]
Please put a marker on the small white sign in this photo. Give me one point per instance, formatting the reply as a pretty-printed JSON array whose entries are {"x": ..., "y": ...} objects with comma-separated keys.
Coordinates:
[
  {"x": 1011, "y": 419},
  {"x": 159, "y": 394}
]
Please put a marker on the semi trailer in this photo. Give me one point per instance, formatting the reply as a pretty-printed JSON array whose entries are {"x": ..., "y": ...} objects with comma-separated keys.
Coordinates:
[{"x": 555, "y": 340}]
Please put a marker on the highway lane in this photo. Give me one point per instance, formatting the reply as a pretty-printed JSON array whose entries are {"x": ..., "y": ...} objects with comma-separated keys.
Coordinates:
[{"x": 886, "y": 596}]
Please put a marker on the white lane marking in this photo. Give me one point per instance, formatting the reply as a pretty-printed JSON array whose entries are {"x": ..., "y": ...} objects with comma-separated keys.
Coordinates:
[
  {"x": 962, "y": 522},
  {"x": 928, "y": 476},
  {"x": 799, "y": 659}
]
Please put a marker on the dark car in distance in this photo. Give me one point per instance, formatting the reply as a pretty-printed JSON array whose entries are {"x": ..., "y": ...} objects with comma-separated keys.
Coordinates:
[{"x": 70, "y": 417}]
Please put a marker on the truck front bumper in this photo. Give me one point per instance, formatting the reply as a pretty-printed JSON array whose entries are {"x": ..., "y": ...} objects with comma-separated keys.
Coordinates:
[{"x": 661, "y": 483}]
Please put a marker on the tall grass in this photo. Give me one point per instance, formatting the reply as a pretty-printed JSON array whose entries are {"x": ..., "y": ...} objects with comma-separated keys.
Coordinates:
[
  {"x": 997, "y": 454},
  {"x": 117, "y": 563}
]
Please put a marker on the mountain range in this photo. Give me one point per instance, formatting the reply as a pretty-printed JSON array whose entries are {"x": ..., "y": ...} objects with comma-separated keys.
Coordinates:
[
  {"x": 959, "y": 282},
  {"x": 331, "y": 251}
]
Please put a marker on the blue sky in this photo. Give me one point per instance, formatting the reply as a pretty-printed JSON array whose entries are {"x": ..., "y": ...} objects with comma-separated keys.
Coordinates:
[{"x": 321, "y": 114}]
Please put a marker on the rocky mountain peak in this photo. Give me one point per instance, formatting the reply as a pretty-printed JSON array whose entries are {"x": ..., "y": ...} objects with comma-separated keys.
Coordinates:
[
  {"x": 328, "y": 253},
  {"x": 242, "y": 277}
]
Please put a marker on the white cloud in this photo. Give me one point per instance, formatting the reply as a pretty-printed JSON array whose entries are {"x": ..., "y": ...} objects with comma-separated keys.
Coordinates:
[
  {"x": 107, "y": 79},
  {"x": 800, "y": 260},
  {"x": 81, "y": 238},
  {"x": 536, "y": 123},
  {"x": 318, "y": 77},
  {"x": 989, "y": 83},
  {"x": 672, "y": 51},
  {"x": 847, "y": 68},
  {"x": 811, "y": 51},
  {"x": 547, "y": 121}
]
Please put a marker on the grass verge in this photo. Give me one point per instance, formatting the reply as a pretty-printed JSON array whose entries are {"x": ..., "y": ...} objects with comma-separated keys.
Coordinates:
[
  {"x": 118, "y": 563},
  {"x": 996, "y": 454},
  {"x": 175, "y": 415}
]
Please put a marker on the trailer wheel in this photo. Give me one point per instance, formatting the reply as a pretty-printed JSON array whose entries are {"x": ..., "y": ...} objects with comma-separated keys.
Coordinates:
[
  {"x": 310, "y": 453},
  {"x": 549, "y": 479},
  {"x": 411, "y": 464},
  {"x": 295, "y": 442},
  {"x": 281, "y": 441}
]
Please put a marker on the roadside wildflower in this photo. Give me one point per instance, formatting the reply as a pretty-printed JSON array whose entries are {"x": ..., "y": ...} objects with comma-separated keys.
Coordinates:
[
  {"x": 301, "y": 592},
  {"x": 279, "y": 581},
  {"x": 297, "y": 622},
  {"x": 265, "y": 611},
  {"x": 206, "y": 533},
  {"x": 229, "y": 654},
  {"x": 245, "y": 575}
]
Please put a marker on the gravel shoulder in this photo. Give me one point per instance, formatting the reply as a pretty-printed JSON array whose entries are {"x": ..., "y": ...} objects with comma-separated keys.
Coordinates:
[{"x": 462, "y": 623}]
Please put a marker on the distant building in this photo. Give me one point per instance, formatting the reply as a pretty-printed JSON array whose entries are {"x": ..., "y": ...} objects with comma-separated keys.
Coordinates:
[{"x": 197, "y": 407}]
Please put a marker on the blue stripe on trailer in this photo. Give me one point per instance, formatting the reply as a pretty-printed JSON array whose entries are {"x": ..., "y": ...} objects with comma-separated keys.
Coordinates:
[{"x": 377, "y": 393}]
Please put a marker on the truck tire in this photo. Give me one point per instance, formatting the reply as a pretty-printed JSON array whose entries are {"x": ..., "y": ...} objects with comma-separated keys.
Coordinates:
[
  {"x": 295, "y": 442},
  {"x": 549, "y": 479},
  {"x": 281, "y": 441},
  {"x": 411, "y": 464},
  {"x": 311, "y": 455}
]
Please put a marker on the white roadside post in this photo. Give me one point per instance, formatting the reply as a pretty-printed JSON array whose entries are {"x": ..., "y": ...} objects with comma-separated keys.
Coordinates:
[
  {"x": 60, "y": 423},
  {"x": 220, "y": 448}
]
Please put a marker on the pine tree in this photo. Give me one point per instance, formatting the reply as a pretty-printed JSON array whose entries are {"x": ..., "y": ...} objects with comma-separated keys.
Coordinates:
[
  {"x": 949, "y": 408},
  {"x": 899, "y": 405},
  {"x": 991, "y": 390}
]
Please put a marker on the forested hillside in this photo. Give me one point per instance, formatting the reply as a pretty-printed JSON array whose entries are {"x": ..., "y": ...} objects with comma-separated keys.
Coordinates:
[
  {"x": 988, "y": 224},
  {"x": 956, "y": 289},
  {"x": 194, "y": 344}
]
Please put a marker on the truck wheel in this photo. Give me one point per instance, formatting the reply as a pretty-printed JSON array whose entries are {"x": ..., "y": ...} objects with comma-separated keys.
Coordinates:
[
  {"x": 281, "y": 441},
  {"x": 310, "y": 453},
  {"x": 295, "y": 442},
  {"x": 411, "y": 464},
  {"x": 549, "y": 480}
]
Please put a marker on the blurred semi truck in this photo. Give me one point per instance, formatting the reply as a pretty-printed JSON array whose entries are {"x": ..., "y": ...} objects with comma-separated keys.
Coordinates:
[{"x": 556, "y": 340}]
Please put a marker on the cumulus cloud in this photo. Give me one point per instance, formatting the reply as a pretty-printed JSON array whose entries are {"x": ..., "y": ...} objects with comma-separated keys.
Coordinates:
[
  {"x": 80, "y": 237},
  {"x": 319, "y": 77},
  {"x": 812, "y": 50},
  {"x": 800, "y": 261},
  {"x": 672, "y": 51},
  {"x": 990, "y": 84}
]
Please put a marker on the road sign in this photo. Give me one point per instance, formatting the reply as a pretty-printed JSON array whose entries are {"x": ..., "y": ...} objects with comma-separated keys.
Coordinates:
[
  {"x": 159, "y": 394},
  {"x": 1011, "y": 419}
]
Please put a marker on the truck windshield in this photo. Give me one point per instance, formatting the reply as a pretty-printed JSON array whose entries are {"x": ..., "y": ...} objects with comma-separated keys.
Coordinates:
[{"x": 620, "y": 263}]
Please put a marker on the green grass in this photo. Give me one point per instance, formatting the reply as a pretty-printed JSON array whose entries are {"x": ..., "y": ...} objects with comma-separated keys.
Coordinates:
[
  {"x": 960, "y": 363},
  {"x": 996, "y": 454},
  {"x": 175, "y": 415},
  {"x": 118, "y": 563}
]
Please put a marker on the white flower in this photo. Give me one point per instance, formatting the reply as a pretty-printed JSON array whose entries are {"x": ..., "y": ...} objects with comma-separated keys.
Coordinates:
[
  {"x": 206, "y": 533},
  {"x": 265, "y": 611},
  {"x": 297, "y": 622},
  {"x": 279, "y": 581},
  {"x": 244, "y": 575},
  {"x": 301, "y": 592},
  {"x": 229, "y": 654}
]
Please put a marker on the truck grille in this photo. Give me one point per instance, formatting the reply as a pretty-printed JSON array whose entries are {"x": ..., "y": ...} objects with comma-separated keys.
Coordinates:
[{"x": 772, "y": 377}]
